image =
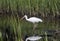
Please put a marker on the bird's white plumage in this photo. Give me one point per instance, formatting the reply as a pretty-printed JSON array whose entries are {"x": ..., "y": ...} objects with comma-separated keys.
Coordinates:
[
  {"x": 33, "y": 38},
  {"x": 33, "y": 19}
]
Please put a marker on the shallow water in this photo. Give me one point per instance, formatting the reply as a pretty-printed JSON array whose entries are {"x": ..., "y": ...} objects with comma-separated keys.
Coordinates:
[{"x": 48, "y": 26}]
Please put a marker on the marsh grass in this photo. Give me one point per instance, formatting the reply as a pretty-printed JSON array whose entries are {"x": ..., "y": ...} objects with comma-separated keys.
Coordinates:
[
  {"x": 42, "y": 8},
  {"x": 14, "y": 24}
]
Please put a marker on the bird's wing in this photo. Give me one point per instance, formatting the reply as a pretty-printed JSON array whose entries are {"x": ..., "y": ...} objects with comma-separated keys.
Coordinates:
[{"x": 34, "y": 18}]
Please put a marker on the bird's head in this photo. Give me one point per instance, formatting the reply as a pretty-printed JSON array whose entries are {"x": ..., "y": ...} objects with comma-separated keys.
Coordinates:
[{"x": 25, "y": 16}]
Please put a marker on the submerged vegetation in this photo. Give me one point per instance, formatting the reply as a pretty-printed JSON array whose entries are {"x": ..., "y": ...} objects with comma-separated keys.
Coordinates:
[{"x": 12, "y": 29}]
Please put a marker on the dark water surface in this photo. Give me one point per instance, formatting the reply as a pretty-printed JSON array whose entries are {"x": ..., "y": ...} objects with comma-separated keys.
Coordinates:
[{"x": 50, "y": 26}]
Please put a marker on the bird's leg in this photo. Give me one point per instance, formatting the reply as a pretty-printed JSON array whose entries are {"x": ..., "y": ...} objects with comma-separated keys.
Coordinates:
[{"x": 34, "y": 27}]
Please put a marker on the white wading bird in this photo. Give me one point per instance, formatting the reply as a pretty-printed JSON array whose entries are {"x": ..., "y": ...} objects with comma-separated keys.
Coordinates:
[
  {"x": 34, "y": 20},
  {"x": 33, "y": 38}
]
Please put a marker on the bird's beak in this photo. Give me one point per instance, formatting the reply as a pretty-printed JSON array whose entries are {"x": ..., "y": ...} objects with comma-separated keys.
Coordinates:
[{"x": 22, "y": 18}]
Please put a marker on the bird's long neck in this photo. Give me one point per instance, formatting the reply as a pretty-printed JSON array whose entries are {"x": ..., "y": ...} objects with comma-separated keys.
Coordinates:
[
  {"x": 26, "y": 18},
  {"x": 26, "y": 40}
]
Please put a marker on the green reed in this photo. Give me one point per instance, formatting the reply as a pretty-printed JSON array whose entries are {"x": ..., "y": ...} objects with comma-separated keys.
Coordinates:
[
  {"x": 14, "y": 24},
  {"x": 34, "y": 7}
]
